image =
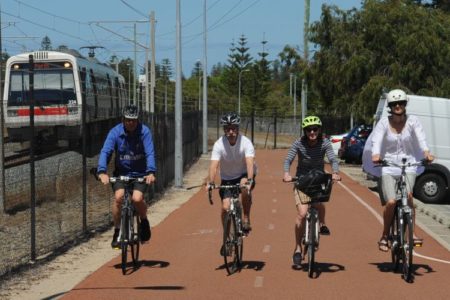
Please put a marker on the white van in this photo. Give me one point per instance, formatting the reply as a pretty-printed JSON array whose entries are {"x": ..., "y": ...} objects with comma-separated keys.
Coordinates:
[{"x": 432, "y": 186}]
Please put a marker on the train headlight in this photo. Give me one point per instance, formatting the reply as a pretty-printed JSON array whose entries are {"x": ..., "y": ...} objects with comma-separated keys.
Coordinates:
[
  {"x": 12, "y": 113},
  {"x": 72, "y": 110}
]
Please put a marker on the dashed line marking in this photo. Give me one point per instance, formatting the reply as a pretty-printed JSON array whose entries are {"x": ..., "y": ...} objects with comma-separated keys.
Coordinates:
[
  {"x": 259, "y": 281},
  {"x": 266, "y": 249},
  {"x": 274, "y": 200},
  {"x": 271, "y": 226},
  {"x": 274, "y": 211}
]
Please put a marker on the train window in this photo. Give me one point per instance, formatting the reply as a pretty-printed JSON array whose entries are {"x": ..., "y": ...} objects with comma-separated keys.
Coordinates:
[{"x": 50, "y": 87}]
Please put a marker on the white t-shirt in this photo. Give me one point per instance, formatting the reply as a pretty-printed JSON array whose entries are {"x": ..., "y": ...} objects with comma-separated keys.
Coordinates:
[{"x": 232, "y": 158}]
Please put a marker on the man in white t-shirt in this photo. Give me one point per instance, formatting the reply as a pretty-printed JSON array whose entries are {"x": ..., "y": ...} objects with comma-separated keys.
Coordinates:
[{"x": 235, "y": 155}]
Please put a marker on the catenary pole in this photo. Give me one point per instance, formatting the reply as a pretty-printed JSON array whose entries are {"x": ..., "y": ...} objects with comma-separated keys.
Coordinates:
[
  {"x": 152, "y": 69},
  {"x": 178, "y": 106},
  {"x": 2, "y": 120},
  {"x": 306, "y": 54},
  {"x": 205, "y": 84}
]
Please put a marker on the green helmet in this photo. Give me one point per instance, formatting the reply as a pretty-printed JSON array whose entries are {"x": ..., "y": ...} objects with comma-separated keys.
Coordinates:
[{"x": 311, "y": 120}]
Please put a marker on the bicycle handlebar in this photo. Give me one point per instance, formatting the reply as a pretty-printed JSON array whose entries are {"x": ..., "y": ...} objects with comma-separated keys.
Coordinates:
[
  {"x": 126, "y": 179},
  {"x": 231, "y": 186},
  {"x": 386, "y": 163}
]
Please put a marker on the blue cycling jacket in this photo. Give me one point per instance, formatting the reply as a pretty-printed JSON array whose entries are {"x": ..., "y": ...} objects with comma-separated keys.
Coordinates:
[{"x": 135, "y": 154}]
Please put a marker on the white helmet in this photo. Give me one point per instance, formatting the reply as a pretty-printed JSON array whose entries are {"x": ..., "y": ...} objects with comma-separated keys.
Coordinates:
[{"x": 396, "y": 96}]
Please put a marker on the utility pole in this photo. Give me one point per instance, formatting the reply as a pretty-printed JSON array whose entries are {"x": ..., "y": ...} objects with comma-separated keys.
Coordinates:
[
  {"x": 295, "y": 98},
  {"x": 152, "y": 69},
  {"x": 178, "y": 106},
  {"x": 305, "y": 51},
  {"x": 134, "y": 66},
  {"x": 2, "y": 146},
  {"x": 205, "y": 85}
]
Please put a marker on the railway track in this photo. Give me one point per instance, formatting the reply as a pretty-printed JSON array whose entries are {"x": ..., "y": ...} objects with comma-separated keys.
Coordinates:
[{"x": 22, "y": 157}]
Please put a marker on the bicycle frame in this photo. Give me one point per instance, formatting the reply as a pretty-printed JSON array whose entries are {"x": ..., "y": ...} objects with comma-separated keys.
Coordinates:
[
  {"x": 402, "y": 225},
  {"x": 233, "y": 234},
  {"x": 128, "y": 235}
]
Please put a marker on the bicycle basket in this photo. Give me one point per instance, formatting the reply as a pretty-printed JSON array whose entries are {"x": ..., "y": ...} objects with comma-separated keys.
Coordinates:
[{"x": 316, "y": 184}]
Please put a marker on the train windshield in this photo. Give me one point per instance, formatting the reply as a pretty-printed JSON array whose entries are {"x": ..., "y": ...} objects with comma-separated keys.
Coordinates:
[{"x": 51, "y": 87}]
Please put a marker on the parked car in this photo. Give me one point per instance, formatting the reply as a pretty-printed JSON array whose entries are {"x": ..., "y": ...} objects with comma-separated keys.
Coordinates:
[
  {"x": 352, "y": 145},
  {"x": 336, "y": 141}
]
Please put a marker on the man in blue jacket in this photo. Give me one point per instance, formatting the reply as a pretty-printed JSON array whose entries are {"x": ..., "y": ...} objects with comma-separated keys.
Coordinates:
[{"x": 132, "y": 143}]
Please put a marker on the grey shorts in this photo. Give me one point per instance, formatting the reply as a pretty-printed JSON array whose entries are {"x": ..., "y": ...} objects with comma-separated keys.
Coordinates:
[{"x": 389, "y": 186}]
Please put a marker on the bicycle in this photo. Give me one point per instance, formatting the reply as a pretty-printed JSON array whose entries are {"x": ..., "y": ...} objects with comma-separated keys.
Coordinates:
[
  {"x": 129, "y": 235},
  {"x": 233, "y": 234},
  {"x": 401, "y": 238},
  {"x": 318, "y": 192},
  {"x": 401, "y": 232}
]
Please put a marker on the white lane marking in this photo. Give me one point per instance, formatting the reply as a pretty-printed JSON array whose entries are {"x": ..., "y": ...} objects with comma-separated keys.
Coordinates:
[
  {"x": 431, "y": 258},
  {"x": 274, "y": 200},
  {"x": 266, "y": 249},
  {"x": 259, "y": 281},
  {"x": 202, "y": 231},
  {"x": 274, "y": 211},
  {"x": 271, "y": 226},
  {"x": 380, "y": 219}
]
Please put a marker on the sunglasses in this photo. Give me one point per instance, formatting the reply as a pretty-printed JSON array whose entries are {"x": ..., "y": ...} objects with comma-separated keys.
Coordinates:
[
  {"x": 400, "y": 103},
  {"x": 311, "y": 129},
  {"x": 232, "y": 128}
]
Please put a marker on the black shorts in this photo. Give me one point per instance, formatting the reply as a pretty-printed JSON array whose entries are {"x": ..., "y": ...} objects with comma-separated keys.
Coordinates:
[
  {"x": 140, "y": 186},
  {"x": 228, "y": 193}
]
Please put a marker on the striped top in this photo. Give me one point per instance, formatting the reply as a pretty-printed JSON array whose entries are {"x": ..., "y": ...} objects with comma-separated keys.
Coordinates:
[{"x": 311, "y": 157}]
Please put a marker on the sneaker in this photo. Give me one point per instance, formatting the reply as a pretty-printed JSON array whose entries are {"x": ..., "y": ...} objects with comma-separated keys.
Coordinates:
[
  {"x": 145, "y": 230},
  {"x": 324, "y": 230},
  {"x": 115, "y": 240},
  {"x": 222, "y": 251},
  {"x": 297, "y": 258},
  {"x": 246, "y": 227}
]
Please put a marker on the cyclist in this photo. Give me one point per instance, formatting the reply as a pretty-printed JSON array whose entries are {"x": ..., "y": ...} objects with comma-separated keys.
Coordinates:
[
  {"x": 132, "y": 143},
  {"x": 395, "y": 137},
  {"x": 235, "y": 155},
  {"x": 311, "y": 149}
]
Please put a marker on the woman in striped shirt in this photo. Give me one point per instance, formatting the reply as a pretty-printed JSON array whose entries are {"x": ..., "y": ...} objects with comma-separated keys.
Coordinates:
[{"x": 311, "y": 149}]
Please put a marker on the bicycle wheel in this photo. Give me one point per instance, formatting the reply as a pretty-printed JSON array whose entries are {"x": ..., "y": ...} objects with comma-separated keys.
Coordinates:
[
  {"x": 135, "y": 238},
  {"x": 394, "y": 240},
  {"x": 312, "y": 244},
  {"x": 124, "y": 239},
  {"x": 231, "y": 245},
  {"x": 407, "y": 247}
]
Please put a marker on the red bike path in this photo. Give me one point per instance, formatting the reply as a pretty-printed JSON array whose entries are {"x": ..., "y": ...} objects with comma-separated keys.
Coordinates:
[{"x": 182, "y": 260}]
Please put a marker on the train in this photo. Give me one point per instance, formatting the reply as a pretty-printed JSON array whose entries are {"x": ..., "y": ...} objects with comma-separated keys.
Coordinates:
[{"x": 60, "y": 80}]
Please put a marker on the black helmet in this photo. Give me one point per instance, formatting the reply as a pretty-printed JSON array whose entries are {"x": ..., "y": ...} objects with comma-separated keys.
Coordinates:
[
  {"x": 130, "y": 112},
  {"x": 230, "y": 118}
]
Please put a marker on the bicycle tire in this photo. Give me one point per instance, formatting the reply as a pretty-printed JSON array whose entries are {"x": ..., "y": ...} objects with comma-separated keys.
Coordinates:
[
  {"x": 124, "y": 240},
  {"x": 395, "y": 240},
  {"x": 135, "y": 238},
  {"x": 312, "y": 244},
  {"x": 240, "y": 236},
  {"x": 407, "y": 248},
  {"x": 230, "y": 244}
]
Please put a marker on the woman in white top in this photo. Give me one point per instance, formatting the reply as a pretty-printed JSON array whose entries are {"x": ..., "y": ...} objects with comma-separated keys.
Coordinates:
[{"x": 395, "y": 137}]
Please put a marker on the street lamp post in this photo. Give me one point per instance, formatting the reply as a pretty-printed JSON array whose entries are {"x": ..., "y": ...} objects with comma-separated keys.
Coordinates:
[
  {"x": 239, "y": 90},
  {"x": 199, "y": 91},
  {"x": 129, "y": 80}
]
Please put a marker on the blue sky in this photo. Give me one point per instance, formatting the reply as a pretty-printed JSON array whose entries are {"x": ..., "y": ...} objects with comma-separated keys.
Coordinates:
[{"x": 74, "y": 23}]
